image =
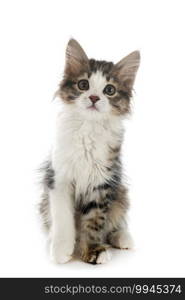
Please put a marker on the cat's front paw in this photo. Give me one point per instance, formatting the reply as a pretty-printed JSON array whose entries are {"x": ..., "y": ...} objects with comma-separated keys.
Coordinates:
[
  {"x": 97, "y": 255},
  {"x": 60, "y": 252}
]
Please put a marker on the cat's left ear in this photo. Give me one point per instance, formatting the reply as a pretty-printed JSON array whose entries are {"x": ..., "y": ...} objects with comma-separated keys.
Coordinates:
[
  {"x": 76, "y": 59},
  {"x": 126, "y": 69}
]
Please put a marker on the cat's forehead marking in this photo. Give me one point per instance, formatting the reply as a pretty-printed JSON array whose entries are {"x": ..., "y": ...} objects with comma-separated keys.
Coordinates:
[
  {"x": 100, "y": 65},
  {"x": 97, "y": 80}
]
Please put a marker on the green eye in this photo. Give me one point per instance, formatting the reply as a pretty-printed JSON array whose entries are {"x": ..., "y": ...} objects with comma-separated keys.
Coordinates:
[
  {"x": 83, "y": 84},
  {"x": 110, "y": 90}
]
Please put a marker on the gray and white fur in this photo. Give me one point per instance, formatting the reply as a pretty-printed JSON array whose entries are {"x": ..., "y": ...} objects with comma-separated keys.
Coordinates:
[{"x": 84, "y": 202}]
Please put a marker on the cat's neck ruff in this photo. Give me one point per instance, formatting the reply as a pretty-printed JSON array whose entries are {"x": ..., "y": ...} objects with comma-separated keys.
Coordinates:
[
  {"x": 73, "y": 119},
  {"x": 82, "y": 147}
]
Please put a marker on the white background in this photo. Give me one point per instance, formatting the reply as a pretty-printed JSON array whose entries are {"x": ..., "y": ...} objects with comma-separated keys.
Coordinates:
[{"x": 32, "y": 46}]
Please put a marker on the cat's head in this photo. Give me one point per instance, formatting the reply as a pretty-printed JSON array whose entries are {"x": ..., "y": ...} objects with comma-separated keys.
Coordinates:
[{"x": 97, "y": 88}]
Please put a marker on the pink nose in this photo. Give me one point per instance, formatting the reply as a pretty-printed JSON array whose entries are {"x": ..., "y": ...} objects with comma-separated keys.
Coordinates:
[{"x": 94, "y": 98}]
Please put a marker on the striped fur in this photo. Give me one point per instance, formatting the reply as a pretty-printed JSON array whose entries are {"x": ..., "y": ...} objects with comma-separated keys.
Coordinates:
[{"x": 85, "y": 202}]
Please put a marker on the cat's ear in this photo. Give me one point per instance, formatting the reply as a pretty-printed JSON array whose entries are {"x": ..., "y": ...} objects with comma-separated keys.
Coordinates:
[
  {"x": 76, "y": 59},
  {"x": 126, "y": 69}
]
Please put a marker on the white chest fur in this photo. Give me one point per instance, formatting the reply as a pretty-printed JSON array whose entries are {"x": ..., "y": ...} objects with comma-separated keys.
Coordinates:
[{"x": 81, "y": 151}]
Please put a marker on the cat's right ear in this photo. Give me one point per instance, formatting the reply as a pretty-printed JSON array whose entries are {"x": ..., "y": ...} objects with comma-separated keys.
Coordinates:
[{"x": 76, "y": 59}]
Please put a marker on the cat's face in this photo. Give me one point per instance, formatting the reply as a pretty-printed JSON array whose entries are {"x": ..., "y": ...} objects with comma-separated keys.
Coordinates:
[{"x": 97, "y": 88}]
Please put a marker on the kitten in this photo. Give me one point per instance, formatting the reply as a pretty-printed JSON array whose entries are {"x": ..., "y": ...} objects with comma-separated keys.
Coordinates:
[{"x": 84, "y": 203}]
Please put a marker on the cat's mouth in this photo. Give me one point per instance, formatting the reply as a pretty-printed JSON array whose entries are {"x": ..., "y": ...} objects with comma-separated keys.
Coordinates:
[{"x": 92, "y": 107}]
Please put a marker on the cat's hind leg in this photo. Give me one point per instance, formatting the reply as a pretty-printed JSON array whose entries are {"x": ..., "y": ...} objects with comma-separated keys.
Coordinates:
[
  {"x": 120, "y": 239},
  {"x": 118, "y": 235}
]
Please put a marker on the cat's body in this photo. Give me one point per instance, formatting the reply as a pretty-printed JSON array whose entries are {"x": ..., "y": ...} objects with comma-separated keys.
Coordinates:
[{"x": 84, "y": 202}]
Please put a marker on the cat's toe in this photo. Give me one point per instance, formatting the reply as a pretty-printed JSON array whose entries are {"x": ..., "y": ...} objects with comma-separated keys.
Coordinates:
[
  {"x": 61, "y": 259},
  {"x": 125, "y": 241},
  {"x": 104, "y": 257},
  {"x": 97, "y": 255},
  {"x": 60, "y": 254}
]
